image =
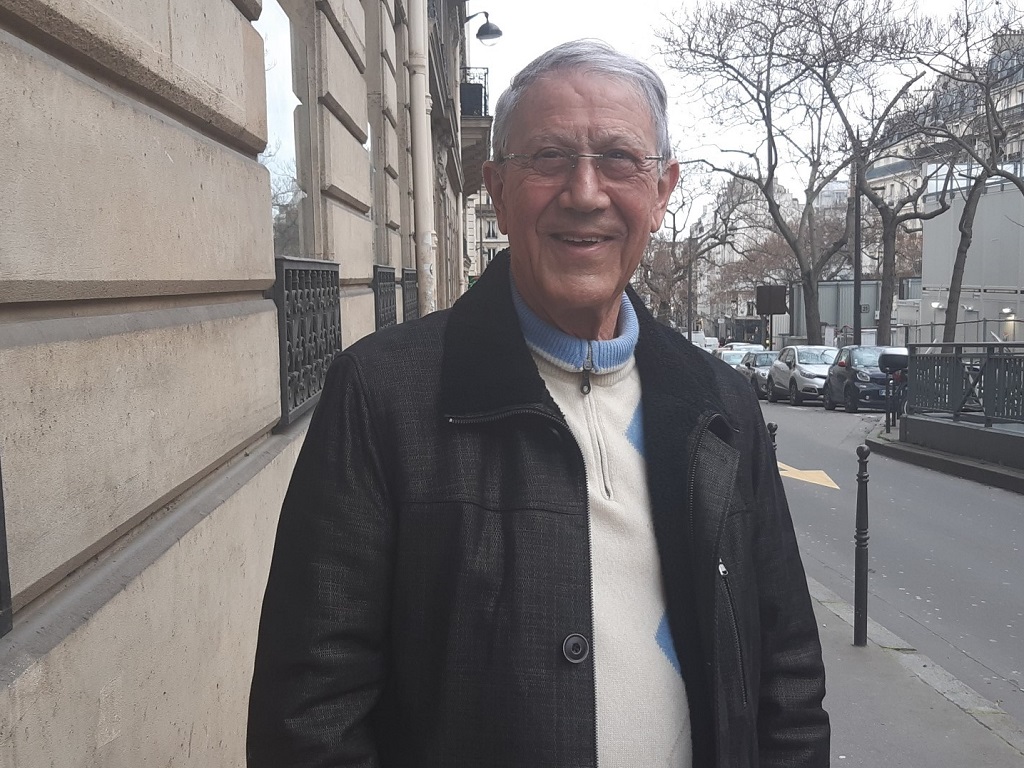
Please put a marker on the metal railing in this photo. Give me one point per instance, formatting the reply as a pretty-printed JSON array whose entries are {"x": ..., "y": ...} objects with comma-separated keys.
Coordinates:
[
  {"x": 967, "y": 332},
  {"x": 985, "y": 379},
  {"x": 308, "y": 301},
  {"x": 385, "y": 308},
  {"x": 410, "y": 295},
  {"x": 473, "y": 92}
]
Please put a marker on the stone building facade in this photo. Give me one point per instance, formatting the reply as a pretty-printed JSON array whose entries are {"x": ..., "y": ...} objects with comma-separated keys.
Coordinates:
[{"x": 157, "y": 367}]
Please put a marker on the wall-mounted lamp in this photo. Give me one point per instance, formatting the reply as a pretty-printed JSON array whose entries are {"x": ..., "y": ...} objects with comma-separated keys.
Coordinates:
[
  {"x": 488, "y": 31},
  {"x": 936, "y": 305},
  {"x": 1006, "y": 310}
]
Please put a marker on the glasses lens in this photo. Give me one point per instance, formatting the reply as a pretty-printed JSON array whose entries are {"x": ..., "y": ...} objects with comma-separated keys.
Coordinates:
[
  {"x": 552, "y": 162},
  {"x": 619, "y": 165}
]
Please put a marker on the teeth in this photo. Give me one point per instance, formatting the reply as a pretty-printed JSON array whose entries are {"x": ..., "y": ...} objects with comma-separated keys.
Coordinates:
[{"x": 583, "y": 239}]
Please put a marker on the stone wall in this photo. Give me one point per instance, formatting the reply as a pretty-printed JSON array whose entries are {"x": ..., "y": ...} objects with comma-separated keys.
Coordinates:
[{"x": 139, "y": 376}]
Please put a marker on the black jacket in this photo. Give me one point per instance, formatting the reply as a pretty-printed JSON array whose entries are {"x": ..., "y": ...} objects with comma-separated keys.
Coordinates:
[{"x": 433, "y": 555}]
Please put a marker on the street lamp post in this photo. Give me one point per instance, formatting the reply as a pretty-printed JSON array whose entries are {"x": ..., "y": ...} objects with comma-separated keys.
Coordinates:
[
  {"x": 689, "y": 289},
  {"x": 855, "y": 172}
]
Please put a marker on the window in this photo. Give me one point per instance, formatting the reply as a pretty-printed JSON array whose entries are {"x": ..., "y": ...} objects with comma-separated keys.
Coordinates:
[{"x": 492, "y": 229}]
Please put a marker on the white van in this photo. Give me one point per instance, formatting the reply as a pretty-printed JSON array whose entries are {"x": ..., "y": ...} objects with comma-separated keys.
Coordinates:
[{"x": 702, "y": 341}]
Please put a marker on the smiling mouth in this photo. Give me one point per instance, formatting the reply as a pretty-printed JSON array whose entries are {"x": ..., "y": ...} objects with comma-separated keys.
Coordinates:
[{"x": 582, "y": 239}]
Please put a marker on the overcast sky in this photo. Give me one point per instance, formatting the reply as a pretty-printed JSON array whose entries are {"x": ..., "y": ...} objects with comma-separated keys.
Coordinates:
[
  {"x": 530, "y": 27},
  {"x": 533, "y": 26}
]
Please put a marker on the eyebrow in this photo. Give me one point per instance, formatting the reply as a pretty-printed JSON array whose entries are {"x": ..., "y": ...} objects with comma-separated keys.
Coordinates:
[{"x": 601, "y": 139}]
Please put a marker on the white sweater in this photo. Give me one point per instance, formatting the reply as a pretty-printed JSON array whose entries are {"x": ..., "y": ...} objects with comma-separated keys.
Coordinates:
[{"x": 642, "y": 713}]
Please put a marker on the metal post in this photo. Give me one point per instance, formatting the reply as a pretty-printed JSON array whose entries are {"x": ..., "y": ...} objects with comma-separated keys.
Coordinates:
[
  {"x": 889, "y": 416},
  {"x": 860, "y": 588},
  {"x": 689, "y": 288},
  {"x": 857, "y": 266},
  {"x": 772, "y": 429}
]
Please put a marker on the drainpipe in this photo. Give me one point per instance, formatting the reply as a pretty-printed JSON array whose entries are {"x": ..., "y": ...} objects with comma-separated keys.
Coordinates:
[{"x": 422, "y": 158}]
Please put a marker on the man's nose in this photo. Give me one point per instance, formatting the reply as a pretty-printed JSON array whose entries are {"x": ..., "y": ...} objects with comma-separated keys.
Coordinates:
[{"x": 585, "y": 186}]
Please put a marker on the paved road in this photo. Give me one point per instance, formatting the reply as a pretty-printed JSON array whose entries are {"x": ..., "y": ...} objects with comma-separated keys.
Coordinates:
[{"x": 946, "y": 555}]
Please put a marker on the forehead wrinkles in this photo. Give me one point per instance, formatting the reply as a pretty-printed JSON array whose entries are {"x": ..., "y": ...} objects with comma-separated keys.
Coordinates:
[
  {"x": 595, "y": 137},
  {"x": 583, "y": 111}
]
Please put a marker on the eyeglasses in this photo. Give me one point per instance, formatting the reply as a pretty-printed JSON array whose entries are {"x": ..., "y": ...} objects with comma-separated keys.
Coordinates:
[{"x": 615, "y": 164}]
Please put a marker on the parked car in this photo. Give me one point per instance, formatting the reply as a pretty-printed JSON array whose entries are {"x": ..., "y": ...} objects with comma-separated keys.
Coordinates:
[
  {"x": 855, "y": 380},
  {"x": 755, "y": 366},
  {"x": 799, "y": 373},
  {"x": 731, "y": 356}
]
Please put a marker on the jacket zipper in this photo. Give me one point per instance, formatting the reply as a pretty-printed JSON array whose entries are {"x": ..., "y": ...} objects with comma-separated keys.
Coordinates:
[
  {"x": 702, "y": 428},
  {"x": 724, "y": 573},
  {"x": 493, "y": 416}
]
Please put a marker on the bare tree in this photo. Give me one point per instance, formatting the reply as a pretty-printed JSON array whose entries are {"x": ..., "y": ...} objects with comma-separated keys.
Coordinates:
[
  {"x": 866, "y": 57},
  {"x": 688, "y": 239},
  {"x": 970, "y": 109},
  {"x": 747, "y": 60}
]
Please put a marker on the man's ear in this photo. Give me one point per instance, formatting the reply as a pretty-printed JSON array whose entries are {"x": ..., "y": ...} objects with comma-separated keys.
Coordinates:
[
  {"x": 666, "y": 184},
  {"x": 496, "y": 188}
]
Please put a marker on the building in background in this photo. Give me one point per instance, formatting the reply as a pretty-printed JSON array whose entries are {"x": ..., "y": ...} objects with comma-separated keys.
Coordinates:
[
  {"x": 158, "y": 364},
  {"x": 484, "y": 238}
]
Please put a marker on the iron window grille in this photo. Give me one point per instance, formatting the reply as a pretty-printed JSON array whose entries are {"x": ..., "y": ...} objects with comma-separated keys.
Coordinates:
[
  {"x": 308, "y": 300},
  {"x": 385, "y": 307},
  {"x": 410, "y": 297}
]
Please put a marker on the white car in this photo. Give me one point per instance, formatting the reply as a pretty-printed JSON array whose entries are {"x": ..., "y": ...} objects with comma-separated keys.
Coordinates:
[{"x": 799, "y": 373}]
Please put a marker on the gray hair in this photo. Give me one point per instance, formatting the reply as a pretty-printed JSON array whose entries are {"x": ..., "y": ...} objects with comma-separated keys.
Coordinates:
[{"x": 590, "y": 56}]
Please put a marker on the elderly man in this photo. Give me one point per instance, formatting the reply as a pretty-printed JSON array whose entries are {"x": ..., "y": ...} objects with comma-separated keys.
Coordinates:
[{"x": 540, "y": 529}]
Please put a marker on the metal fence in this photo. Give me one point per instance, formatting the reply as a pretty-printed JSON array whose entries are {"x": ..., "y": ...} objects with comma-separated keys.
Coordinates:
[
  {"x": 410, "y": 296},
  {"x": 385, "y": 306},
  {"x": 308, "y": 301},
  {"x": 967, "y": 332},
  {"x": 985, "y": 379}
]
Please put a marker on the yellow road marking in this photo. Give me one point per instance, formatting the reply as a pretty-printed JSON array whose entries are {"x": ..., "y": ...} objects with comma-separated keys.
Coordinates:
[{"x": 815, "y": 476}]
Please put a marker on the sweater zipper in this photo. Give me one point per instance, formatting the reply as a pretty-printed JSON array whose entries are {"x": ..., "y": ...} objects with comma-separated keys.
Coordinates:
[
  {"x": 724, "y": 573},
  {"x": 493, "y": 416},
  {"x": 588, "y": 368}
]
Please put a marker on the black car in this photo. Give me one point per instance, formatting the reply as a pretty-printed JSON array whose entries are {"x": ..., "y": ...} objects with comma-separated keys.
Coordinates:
[{"x": 854, "y": 380}]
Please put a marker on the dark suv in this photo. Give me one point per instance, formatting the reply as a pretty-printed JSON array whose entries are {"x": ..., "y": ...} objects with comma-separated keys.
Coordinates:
[{"x": 855, "y": 380}]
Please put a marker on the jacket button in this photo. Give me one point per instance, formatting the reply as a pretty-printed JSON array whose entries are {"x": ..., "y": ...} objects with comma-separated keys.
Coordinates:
[{"x": 576, "y": 648}]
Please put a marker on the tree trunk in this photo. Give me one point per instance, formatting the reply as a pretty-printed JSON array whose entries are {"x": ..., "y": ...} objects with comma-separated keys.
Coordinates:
[
  {"x": 812, "y": 313},
  {"x": 956, "y": 280},
  {"x": 883, "y": 332}
]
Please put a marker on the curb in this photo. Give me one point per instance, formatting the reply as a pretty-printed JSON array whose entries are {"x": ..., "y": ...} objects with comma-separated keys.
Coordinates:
[
  {"x": 947, "y": 463},
  {"x": 931, "y": 674}
]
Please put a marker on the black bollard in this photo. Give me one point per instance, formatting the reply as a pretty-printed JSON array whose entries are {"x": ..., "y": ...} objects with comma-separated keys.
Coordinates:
[
  {"x": 772, "y": 429},
  {"x": 860, "y": 565}
]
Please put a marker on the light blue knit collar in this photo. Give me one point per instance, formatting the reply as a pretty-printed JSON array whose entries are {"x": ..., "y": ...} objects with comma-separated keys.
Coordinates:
[{"x": 569, "y": 352}]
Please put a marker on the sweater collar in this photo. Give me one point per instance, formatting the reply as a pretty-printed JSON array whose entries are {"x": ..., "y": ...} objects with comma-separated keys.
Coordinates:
[
  {"x": 487, "y": 367},
  {"x": 571, "y": 353}
]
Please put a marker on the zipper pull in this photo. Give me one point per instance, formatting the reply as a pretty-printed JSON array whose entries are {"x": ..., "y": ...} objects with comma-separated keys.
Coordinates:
[
  {"x": 588, "y": 367},
  {"x": 722, "y": 570}
]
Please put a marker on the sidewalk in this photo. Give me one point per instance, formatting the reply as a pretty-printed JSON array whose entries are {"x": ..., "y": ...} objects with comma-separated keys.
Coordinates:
[
  {"x": 891, "y": 707},
  {"x": 976, "y": 470}
]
